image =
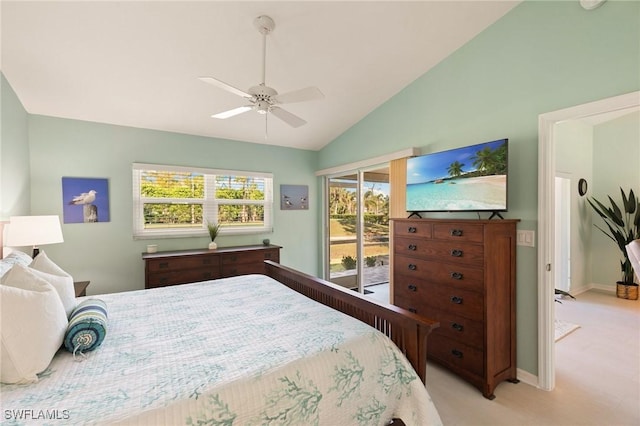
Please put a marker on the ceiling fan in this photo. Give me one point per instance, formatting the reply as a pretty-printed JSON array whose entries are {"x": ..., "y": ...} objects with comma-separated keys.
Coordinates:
[{"x": 262, "y": 98}]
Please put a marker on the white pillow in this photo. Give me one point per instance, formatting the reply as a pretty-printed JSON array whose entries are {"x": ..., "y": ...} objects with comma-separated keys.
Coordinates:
[
  {"x": 64, "y": 288},
  {"x": 55, "y": 275},
  {"x": 32, "y": 325},
  {"x": 42, "y": 263},
  {"x": 15, "y": 257}
]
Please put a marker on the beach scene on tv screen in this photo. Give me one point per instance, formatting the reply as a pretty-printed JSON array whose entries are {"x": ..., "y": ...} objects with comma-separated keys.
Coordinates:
[{"x": 468, "y": 178}]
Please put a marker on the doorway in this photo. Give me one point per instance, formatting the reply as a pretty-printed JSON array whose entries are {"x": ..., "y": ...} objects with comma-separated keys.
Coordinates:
[
  {"x": 547, "y": 221},
  {"x": 357, "y": 240}
]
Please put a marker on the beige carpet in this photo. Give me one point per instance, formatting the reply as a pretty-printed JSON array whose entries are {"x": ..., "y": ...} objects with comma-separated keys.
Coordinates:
[{"x": 563, "y": 328}]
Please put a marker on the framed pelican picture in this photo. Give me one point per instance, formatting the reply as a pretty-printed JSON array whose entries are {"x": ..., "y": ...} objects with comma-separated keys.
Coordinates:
[{"x": 85, "y": 200}]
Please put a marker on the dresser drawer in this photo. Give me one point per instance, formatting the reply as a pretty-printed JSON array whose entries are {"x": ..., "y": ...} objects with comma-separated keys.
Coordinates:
[
  {"x": 444, "y": 251},
  {"x": 181, "y": 277},
  {"x": 455, "y": 354},
  {"x": 231, "y": 270},
  {"x": 192, "y": 265},
  {"x": 461, "y": 329},
  {"x": 257, "y": 256},
  {"x": 458, "y": 232},
  {"x": 412, "y": 229},
  {"x": 464, "y": 330},
  {"x": 460, "y": 276},
  {"x": 421, "y": 295},
  {"x": 179, "y": 263}
]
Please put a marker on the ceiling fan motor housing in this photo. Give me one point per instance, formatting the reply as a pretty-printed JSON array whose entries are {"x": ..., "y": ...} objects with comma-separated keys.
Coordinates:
[{"x": 262, "y": 95}]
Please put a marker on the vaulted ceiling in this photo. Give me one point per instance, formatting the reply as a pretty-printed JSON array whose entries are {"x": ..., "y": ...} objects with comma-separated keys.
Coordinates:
[{"x": 137, "y": 64}]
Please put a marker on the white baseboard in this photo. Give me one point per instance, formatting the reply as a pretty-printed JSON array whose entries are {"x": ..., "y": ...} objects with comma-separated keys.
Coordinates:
[
  {"x": 593, "y": 286},
  {"x": 603, "y": 288},
  {"x": 528, "y": 378}
]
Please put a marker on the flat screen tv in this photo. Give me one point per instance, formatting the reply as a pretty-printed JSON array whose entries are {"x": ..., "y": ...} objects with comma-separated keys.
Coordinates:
[{"x": 467, "y": 179}]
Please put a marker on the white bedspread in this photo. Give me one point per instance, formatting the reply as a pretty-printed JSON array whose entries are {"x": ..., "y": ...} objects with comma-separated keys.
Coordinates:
[{"x": 238, "y": 351}]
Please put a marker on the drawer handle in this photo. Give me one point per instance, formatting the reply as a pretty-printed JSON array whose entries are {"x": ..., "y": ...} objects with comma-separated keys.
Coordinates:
[
  {"x": 206, "y": 275},
  {"x": 456, "y": 353},
  {"x": 456, "y": 275},
  {"x": 163, "y": 280},
  {"x": 456, "y": 232},
  {"x": 234, "y": 258},
  {"x": 164, "y": 265},
  {"x": 267, "y": 256},
  {"x": 412, "y": 230},
  {"x": 457, "y": 300},
  {"x": 414, "y": 310},
  {"x": 206, "y": 261},
  {"x": 457, "y": 327},
  {"x": 456, "y": 253},
  {"x": 412, "y": 267},
  {"x": 412, "y": 287},
  {"x": 412, "y": 247}
]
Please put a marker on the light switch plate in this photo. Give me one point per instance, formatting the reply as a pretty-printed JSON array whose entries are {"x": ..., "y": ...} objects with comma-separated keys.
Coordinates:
[{"x": 526, "y": 238}]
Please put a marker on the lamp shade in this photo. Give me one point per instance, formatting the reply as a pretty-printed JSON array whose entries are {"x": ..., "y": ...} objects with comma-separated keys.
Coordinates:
[{"x": 33, "y": 231}]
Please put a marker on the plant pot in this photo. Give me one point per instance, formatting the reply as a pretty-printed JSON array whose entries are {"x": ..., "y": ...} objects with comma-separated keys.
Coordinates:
[
  {"x": 627, "y": 291},
  {"x": 213, "y": 245}
]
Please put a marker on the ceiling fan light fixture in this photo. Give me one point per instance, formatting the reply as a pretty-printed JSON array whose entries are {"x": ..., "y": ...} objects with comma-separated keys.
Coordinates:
[{"x": 262, "y": 107}]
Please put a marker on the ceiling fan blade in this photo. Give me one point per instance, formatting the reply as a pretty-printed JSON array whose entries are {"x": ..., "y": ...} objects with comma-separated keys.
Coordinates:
[
  {"x": 225, "y": 86},
  {"x": 301, "y": 95},
  {"x": 232, "y": 112},
  {"x": 291, "y": 119}
]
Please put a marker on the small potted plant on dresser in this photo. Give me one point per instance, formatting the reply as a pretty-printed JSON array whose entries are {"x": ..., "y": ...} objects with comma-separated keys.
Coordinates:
[
  {"x": 623, "y": 227},
  {"x": 213, "y": 228}
]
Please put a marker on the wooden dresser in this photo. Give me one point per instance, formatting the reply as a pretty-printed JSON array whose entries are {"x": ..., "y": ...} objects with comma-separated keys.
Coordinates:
[
  {"x": 187, "y": 266},
  {"x": 461, "y": 273}
]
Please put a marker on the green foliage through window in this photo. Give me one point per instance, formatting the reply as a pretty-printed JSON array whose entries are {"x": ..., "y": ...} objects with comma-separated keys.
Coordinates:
[{"x": 180, "y": 201}]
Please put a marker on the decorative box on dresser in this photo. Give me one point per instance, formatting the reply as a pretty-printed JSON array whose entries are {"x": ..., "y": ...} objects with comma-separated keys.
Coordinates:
[
  {"x": 461, "y": 273},
  {"x": 187, "y": 266}
]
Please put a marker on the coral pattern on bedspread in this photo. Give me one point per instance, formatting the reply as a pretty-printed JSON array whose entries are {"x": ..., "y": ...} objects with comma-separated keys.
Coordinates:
[{"x": 238, "y": 351}]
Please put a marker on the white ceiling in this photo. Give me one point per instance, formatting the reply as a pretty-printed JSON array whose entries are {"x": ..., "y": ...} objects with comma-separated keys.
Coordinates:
[{"x": 136, "y": 63}]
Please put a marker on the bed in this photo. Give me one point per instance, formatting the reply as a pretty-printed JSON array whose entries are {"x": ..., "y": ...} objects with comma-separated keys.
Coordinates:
[{"x": 239, "y": 351}]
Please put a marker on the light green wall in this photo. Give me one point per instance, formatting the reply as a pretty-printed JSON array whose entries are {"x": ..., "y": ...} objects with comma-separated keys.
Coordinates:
[
  {"x": 616, "y": 164},
  {"x": 106, "y": 253},
  {"x": 540, "y": 57},
  {"x": 15, "y": 184}
]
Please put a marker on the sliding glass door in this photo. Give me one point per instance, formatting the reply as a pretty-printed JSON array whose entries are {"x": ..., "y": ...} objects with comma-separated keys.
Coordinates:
[{"x": 357, "y": 217}]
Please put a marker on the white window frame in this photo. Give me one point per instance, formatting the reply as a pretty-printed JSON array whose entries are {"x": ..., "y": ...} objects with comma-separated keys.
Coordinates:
[{"x": 209, "y": 203}]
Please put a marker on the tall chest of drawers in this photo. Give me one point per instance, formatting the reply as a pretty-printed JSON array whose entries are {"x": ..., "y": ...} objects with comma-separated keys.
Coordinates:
[
  {"x": 461, "y": 273},
  {"x": 187, "y": 266}
]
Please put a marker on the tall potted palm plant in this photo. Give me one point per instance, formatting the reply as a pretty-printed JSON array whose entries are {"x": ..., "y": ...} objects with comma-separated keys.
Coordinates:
[{"x": 623, "y": 227}]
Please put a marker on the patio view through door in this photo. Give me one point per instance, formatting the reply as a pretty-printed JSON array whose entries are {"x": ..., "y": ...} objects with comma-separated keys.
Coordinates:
[{"x": 358, "y": 229}]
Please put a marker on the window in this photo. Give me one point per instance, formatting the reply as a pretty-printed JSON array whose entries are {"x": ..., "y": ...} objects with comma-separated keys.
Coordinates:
[{"x": 173, "y": 201}]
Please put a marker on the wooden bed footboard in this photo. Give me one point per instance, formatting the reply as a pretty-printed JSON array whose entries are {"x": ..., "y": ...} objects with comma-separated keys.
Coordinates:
[{"x": 406, "y": 329}]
